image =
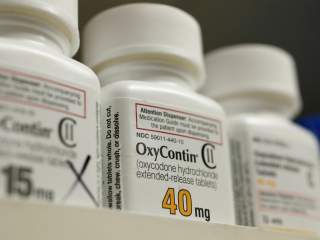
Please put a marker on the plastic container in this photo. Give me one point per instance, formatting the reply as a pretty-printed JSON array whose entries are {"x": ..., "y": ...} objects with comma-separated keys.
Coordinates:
[
  {"x": 163, "y": 144},
  {"x": 275, "y": 162},
  {"x": 49, "y": 106}
]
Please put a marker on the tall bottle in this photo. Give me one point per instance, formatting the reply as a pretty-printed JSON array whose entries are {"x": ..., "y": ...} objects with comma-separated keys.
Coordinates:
[
  {"x": 163, "y": 144},
  {"x": 275, "y": 162},
  {"x": 49, "y": 106}
]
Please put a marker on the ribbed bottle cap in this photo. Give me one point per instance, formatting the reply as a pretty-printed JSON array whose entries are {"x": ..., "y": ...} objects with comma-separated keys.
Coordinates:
[
  {"x": 60, "y": 14},
  {"x": 145, "y": 31},
  {"x": 254, "y": 74}
]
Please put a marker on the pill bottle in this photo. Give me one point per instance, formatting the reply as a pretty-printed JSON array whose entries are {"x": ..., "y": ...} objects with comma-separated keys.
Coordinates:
[
  {"x": 163, "y": 145},
  {"x": 49, "y": 107},
  {"x": 275, "y": 167}
]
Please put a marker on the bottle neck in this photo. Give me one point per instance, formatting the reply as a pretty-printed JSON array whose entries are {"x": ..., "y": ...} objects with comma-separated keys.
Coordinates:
[
  {"x": 272, "y": 116},
  {"x": 258, "y": 107},
  {"x": 145, "y": 71},
  {"x": 30, "y": 33}
]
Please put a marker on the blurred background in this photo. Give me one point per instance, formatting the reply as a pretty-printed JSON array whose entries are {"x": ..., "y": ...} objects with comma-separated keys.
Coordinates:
[{"x": 290, "y": 24}]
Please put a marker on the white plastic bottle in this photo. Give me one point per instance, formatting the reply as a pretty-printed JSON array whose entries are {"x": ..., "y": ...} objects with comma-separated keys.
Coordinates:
[
  {"x": 275, "y": 162},
  {"x": 49, "y": 106},
  {"x": 163, "y": 144}
]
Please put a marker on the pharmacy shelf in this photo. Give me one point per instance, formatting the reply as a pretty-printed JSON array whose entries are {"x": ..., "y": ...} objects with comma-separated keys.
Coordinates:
[{"x": 43, "y": 222}]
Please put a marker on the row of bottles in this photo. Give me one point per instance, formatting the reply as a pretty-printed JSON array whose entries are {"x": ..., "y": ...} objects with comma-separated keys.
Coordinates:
[{"x": 155, "y": 128}]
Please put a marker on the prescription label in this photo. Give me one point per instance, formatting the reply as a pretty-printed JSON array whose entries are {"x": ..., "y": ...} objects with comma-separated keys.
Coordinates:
[
  {"x": 277, "y": 180},
  {"x": 49, "y": 140},
  {"x": 161, "y": 160}
]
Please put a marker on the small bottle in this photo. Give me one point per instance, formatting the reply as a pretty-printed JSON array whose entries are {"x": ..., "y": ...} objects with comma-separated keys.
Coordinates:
[
  {"x": 163, "y": 148},
  {"x": 275, "y": 166},
  {"x": 49, "y": 106}
]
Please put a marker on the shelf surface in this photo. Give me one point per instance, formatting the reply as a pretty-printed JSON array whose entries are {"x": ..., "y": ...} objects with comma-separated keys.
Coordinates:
[{"x": 43, "y": 222}]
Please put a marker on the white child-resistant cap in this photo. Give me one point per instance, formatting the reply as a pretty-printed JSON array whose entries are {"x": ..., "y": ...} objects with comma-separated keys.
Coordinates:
[
  {"x": 145, "y": 31},
  {"x": 59, "y": 14},
  {"x": 256, "y": 75}
]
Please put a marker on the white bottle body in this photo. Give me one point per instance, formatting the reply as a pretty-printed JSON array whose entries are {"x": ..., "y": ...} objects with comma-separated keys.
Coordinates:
[
  {"x": 276, "y": 173},
  {"x": 49, "y": 124},
  {"x": 150, "y": 133}
]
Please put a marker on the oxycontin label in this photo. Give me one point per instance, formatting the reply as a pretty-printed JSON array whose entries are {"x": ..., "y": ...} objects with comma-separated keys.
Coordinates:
[
  {"x": 165, "y": 161},
  {"x": 48, "y": 140},
  {"x": 277, "y": 180}
]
